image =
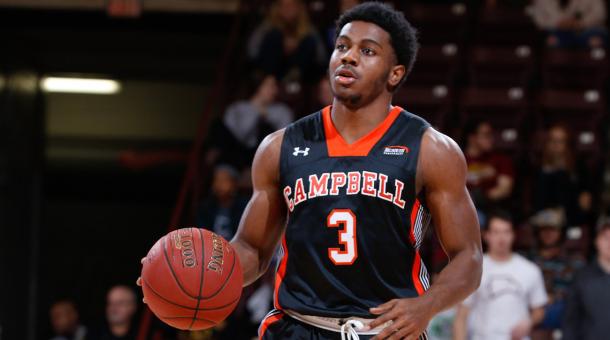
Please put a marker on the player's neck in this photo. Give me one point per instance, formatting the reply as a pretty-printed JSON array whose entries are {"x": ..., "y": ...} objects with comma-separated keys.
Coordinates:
[{"x": 354, "y": 123}]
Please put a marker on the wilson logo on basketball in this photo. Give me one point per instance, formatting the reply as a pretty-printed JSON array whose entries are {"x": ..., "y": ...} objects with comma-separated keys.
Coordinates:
[
  {"x": 217, "y": 258},
  {"x": 395, "y": 150},
  {"x": 183, "y": 241}
]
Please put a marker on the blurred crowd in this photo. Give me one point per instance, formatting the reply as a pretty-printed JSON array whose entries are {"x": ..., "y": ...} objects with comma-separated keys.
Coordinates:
[{"x": 546, "y": 271}]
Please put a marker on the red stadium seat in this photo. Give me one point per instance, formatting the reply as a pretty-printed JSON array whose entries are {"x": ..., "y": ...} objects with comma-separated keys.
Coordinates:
[
  {"x": 580, "y": 110},
  {"x": 505, "y": 109},
  {"x": 439, "y": 23},
  {"x": 501, "y": 66},
  {"x": 505, "y": 26},
  {"x": 436, "y": 64},
  {"x": 434, "y": 103},
  {"x": 568, "y": 69}
]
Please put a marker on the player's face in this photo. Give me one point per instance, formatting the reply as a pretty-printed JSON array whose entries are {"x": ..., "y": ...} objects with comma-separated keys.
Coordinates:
[
  {"x": 499, "y": 236},
  {"x": 363, "y": 64}
]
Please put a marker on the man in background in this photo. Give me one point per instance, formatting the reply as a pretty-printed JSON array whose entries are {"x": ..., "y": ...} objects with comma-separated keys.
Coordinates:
[
  {"x": 587, "y": 314},
  {"x": 511, "y": 298},
  {"x": 65, "y": 321},
  {"x": 121, "y": 306}
]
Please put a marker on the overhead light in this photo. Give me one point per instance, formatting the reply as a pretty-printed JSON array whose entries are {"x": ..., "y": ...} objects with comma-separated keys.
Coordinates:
[{"x": 80, "y": 85}]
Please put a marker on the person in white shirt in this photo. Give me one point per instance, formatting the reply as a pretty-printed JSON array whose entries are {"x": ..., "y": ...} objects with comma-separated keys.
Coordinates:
[
  {"x": 510, "y": 300},
  {"x": 571, "y": 23}
]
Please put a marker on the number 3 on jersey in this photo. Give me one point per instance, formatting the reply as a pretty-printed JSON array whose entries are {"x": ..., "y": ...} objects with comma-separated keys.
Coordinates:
[{"x": 346, "y": 219}]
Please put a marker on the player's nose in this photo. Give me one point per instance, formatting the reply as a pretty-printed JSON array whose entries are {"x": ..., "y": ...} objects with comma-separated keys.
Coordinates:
[{"x": 350, "y": 57}]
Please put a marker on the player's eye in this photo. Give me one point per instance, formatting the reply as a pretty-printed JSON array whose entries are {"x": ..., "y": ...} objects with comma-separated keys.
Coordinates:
[
  {"x": 368, "y": 51},
  {"x": 341, "y": 47}
]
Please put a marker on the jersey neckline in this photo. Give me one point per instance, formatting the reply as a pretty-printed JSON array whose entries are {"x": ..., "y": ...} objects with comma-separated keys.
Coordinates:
[{"x": 338, "y": 147}]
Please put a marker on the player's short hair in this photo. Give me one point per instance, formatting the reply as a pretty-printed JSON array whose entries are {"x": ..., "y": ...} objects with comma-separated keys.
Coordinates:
[
  {"x": 403, "y": 36},
  {"x": 502, "y": 215}
]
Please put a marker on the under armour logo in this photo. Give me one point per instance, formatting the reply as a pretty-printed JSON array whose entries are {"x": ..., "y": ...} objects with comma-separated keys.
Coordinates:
[{"x": 298, "y": 151}]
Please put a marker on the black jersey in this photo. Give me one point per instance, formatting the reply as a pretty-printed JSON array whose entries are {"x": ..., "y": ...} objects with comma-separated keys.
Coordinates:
[{"x": 355, "y": 222}]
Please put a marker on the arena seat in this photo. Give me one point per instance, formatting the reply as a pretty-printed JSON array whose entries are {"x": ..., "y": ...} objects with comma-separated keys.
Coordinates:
[
  {"x": 504, "y": 108},
  {"x": 505, "y": 26},
  {"x": 436, "y": 64},
  {"x": 434, "y": 103},
  {"x": 569, "y": 69},
  {"x": 439, "y": 23},
  {"x": 501, "y": 66},
  {"x": 581, "y": 110}
]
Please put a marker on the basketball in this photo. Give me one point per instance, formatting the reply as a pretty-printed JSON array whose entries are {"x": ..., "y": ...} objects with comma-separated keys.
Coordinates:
[{"x": 191, "y": 279}]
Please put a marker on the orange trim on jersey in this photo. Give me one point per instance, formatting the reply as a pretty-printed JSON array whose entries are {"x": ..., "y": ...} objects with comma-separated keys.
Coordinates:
[
  {"x": 338, "y": 147},
  {"x": 281, "y": 272},
  {"x": 268, "y": 322},
  {"x": 414, "y": 211},
  {"x": 415, "y": 274},
  {"x": 416, "y": 267}
]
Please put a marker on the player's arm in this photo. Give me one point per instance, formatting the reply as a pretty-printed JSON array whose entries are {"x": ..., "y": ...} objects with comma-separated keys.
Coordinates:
[
  {"x": 263, "y": 220},
  {"x": 441, "y": 173}
]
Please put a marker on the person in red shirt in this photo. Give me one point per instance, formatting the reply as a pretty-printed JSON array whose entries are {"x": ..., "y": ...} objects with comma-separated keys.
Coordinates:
[{"x": 490, "y": 176}]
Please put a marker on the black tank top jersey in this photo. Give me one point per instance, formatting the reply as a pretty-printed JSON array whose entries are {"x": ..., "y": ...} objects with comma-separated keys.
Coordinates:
[{"x": 355, "y": 223}]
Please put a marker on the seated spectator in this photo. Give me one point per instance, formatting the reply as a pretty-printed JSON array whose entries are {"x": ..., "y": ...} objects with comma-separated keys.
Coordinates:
[
  {"x": 557, "y": 265},
  {"x": 510, "y": 300},
  {"x": 559, "y": 182},
  {"x": 222, "y": 210},
  {"x": 121, "y": 307},
  {"x": 490, "y": 176},
  {"x": 234, "y": 139},
  {"x": 571, "y": 23},
  {"x": 287, "y": 45},
  {"x": 65, "y": 321},
  {"x": 440, "y": 326},
  {"x": 344, "y": 6},
  {"x": 587, "y": 314}
]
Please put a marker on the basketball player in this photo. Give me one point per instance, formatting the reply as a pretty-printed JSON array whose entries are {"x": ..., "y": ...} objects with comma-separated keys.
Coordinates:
[{"x": 349, "y": 191}]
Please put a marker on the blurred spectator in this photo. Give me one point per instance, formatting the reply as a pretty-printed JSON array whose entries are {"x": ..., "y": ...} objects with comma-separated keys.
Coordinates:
[
  {"x": 324, "y": 95},
  {"x": 490, "y": 173},
  {"x": 571, "y": 23},
  {"x": 493, "y": 4},
  {"x": 557, "y": 266},
  {"x": 559, "y": 182},
  {"x": 440, "y": 326},
  {"x": 121, "y": 306},
  {"x": 65, "y": 321},
  {"x": 221, "y": 211},
  {"x": 286, "y": 43},
  {"x": 587, "y": 314},
  {"x": 510, "y": 300},
  {"x": 344, "y": 6},
  {"x": 234, "y": 139}
]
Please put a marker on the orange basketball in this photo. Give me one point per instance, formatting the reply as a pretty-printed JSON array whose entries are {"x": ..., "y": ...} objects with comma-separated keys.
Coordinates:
[{"x": 191, "y": 279}]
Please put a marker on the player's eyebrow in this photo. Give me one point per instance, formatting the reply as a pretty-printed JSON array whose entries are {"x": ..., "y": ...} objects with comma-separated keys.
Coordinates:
[{"x": 365, "y": 40}]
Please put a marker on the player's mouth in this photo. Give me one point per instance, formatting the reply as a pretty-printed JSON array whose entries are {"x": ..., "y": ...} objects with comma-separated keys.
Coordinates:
[{"x": 345, "y": 76}]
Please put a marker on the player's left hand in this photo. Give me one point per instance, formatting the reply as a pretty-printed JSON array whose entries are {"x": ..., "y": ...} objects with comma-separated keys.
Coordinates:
[{"x": 409, "y": 318}]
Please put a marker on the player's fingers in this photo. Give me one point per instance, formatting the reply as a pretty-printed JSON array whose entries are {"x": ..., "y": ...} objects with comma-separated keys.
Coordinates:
[
  {"x": 384, "y": 307},
  {"x": 139, "y": 281},
  {"x": 142, "y": 260},
  {"x": 387, "y": 332},
  {"x": 403, "y": 333},
  {"x": 383, "y": 319}
]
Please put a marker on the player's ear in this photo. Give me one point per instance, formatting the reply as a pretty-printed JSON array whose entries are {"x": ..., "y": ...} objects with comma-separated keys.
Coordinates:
[{"x": 396, "y": 75}]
